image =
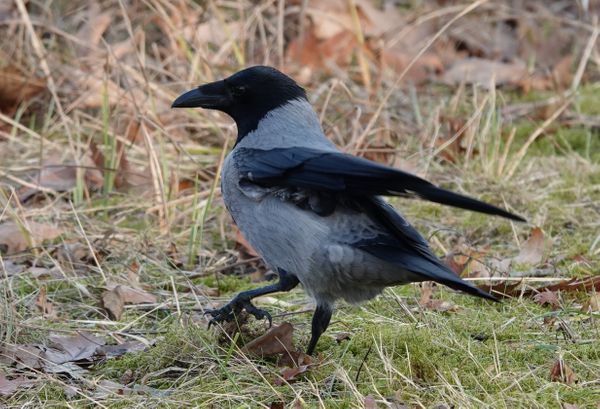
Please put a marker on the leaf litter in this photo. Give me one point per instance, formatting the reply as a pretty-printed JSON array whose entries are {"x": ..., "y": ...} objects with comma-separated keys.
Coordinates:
[
  {"x": 69, "y": 355},
  {"x": 278, "y": 343},
  {"x": 116, "y": 297},
  {"x": 17, "y": 237},
  {"x": 487, "y": 45}
]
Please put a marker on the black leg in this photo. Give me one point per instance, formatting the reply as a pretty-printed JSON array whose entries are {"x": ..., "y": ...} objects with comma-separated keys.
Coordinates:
[
  {"x": 320, "y": 322},
  {"x": 241, "y": 301}
]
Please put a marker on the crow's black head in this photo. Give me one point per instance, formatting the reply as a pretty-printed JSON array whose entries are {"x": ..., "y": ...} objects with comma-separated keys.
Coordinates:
[{"x": 247, "y": 96}]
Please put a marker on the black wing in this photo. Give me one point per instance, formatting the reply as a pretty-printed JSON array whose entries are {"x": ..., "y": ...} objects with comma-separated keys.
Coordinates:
[
  {"x": 338, "y": 172},
  {"x": 405, "y": 247}
]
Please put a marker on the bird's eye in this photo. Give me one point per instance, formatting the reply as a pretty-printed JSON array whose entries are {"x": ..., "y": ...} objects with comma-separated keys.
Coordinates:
[{"x": 238, "y": 91}]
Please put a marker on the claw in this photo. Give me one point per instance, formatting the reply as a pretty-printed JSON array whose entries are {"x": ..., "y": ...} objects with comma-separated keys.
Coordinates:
[
  {"x": 258, "y": 313},
  {"x": 230, "y": 310}
]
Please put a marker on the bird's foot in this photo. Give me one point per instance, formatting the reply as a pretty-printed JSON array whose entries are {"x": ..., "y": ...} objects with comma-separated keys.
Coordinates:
[{"x": 233, "y": 308}]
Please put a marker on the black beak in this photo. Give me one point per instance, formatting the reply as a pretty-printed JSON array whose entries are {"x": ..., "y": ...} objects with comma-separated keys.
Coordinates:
[{"x": 212, "y": 96}]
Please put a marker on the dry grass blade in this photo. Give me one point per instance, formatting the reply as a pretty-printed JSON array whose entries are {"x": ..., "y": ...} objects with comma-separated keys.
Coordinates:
[{"x": 112, "y": 223}]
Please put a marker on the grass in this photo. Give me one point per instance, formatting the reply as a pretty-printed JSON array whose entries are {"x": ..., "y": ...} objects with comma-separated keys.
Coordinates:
[{"x": 167, "y": 228}]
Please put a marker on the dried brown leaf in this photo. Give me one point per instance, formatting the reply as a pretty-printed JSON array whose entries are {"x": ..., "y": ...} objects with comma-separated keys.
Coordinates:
[
  {"x": 44, "y": 305},
  {"x": 116, "y": 296},
  {"x": 9, "y": 268},
  {"x": 243, "y": 246},
  {"x": 125, "y": 178},
  {"x": 294, "y": 358},
  {"x": 342, "y": 336},
  {"x": 97, "y": 23},
  {"x": 547, "y": 297},
  {"x": 369, "y": 402},
  {"x": 289, "y": 374},
  {"x": 481, "y": 72},
  {"x": 22, "y": 356},
  {"x": 13, "y": 239},
  {"x": 106, "y": 388},
  {"x": 60, "y": 177},
  {"x": 502, "y": 289},
  {"x": 78, "y": 347},
  {"x": 486, "y": 39},
  {"x": 112, "y": 351},
  {"x": 429, "y": 303},
  {"x": 113, "y": 303},
  {"x": 532, "y": 249},
  {"x": 425, "y": 68},
  {"x": 561, "y": 372},
  {"x": 16, "y": 87},
  {"x": 278, "y": 340},
  {"x": 133, "y": 295},
  {"x": 592, "y": 304},
  {"x": 575, "y": 284},
  {"x": 10, "y": 386}
]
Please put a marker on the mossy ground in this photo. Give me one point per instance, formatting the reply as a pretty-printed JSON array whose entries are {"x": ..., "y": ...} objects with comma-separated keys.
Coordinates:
[{"x": 497, "y": 355}]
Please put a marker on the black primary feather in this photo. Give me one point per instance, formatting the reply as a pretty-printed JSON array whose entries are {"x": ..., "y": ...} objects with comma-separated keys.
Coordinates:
[{"x": 342, "y": 173}]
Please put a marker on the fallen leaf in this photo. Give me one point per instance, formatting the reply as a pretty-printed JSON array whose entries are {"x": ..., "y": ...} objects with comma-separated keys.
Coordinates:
[
  {"x": 423, "y": 69},
  {"x": 44, "y": 273},
  {"x": 574, "y": 285},
  {"x": 480, "y": 37},
  {"x": 561, "y": 372},
  {"x": 82, "y": 346},
  {"x": 569, "y": 406},
  {"x": 429, "y": 303},
  {"x": 342, "y": 336},
  {"x": 547, "y": 297},
  {"x": 113, "y": 303},
  {"x": 562, "y": 73},
  {"x": 502, "y": 289},
  {"x": 92, "y": 30},
  {"x": 243, "y": 246},
  {"x": 532, "y": 249},
  {"x": 125, "y": 178},
  {"x": 113, "y": 351},
  {"x": 15, "y": 238},
  {"x": 10, "y": 386},
  {"x": 369, "y": 402},
  {"x": 467, "y": 263},
  {"x": 16, "y": 86},
  {"x": 289, "y": 374},
  {"x": 8, "y": 268},
  {"x": 278, "y": 340},
  {"x": 581, "y": 259},
  {"x": 593, "y": 304},
  {"x": 312, "y": 54},
  {"x": 44, "y": 305},
  {"x": 60, "y": 177},
  {"x": 116, "y": 296},
  {"x": 514, "y": 289},
  {"x": 481, "y": 72},
  {"x": 71, "y": 391},
  {"x": 132, "y": 295},
  {"x": 106, "y": 388},
  {"x": 292, "y": 358},
  {"x": 22, "y": 356},
  {"x": 71, "y": 369}
]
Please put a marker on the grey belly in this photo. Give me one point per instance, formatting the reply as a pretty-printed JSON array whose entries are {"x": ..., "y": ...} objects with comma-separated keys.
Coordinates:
[{"x": 318, "y": 250}]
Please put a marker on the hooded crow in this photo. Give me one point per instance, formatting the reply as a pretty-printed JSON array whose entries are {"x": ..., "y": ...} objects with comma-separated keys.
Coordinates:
[{"x": 313, "y": 213}]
